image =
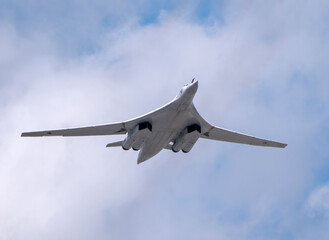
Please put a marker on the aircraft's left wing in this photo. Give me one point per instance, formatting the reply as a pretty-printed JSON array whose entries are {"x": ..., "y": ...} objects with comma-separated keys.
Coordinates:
[
  {"x": 107, "y": 129},
  {"x": 221, "y": 134}
]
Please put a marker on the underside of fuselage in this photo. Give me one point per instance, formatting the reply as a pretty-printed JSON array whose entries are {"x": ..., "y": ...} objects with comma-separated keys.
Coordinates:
[{"x": 167, "y": 127}]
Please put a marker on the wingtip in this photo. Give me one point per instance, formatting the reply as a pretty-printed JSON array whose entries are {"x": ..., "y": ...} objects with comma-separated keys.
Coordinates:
[
  {"x": 281, "y": 145},
  {"x": 31, "y": 134}
]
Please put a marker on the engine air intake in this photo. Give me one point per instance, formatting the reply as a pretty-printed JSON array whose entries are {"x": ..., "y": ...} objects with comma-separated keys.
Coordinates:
[
  {"x": 193, "y": 127},
  {"x": 144, "y": 125}
]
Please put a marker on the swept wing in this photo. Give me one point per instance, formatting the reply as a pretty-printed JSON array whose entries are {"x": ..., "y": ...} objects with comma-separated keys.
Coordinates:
[
  {"x": 220, "y": 134},
  {"x": 107, "y": 129},
  {"x": 98, "y": 130}
]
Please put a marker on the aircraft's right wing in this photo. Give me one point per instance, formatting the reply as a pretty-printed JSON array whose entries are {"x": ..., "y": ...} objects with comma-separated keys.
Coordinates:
[
  {"x": 220, "y": 134},
  {"x": 99, "y": 130}
]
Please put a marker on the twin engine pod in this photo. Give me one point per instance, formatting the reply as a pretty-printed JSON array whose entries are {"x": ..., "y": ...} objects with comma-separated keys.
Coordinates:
[
  {"x": 137, "y": 136},
  {"x": 187, "y": 138}
]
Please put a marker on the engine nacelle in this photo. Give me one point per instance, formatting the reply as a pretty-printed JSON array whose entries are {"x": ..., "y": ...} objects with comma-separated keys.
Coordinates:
[
  {"x": 137, "y": 136},
  {"x": 187, "y": 138},
  {"x": 137, "y": 144}
]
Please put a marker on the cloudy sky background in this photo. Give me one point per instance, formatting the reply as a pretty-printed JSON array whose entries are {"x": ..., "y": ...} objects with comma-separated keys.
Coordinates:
[{"x": 262, "y": 69}]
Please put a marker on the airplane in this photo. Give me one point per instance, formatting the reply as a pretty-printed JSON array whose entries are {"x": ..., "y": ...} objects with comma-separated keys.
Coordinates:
[{"x": 175, "y": 126}]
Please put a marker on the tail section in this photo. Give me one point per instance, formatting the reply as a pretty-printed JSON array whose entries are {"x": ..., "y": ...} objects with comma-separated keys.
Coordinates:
[{"x": 115, "y": 144}]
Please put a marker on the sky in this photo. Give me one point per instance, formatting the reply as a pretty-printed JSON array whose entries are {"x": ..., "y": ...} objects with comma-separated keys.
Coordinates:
[{"x": 262, "y": 68}]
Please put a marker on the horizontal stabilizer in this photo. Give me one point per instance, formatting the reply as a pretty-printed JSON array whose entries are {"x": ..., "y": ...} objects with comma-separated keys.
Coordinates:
[
  {"x": 115, "y": 144},
  {"x": 168, "y": 147}
]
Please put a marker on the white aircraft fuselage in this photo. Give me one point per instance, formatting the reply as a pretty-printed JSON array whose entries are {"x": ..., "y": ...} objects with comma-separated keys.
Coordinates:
[
  {"x": 175, "y": 126},
  {"x": 169, "y": 123}
]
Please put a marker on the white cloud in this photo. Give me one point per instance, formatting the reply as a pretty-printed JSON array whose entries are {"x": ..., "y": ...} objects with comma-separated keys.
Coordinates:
[
  {"x": 76, "y": 189},
  {"x": 319, "y": 200}
]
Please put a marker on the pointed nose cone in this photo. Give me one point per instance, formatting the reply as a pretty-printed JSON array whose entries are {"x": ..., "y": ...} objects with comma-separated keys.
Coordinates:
[
  {"x": 193, "y": 86},
  {"x": 195, "y": 82}
]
